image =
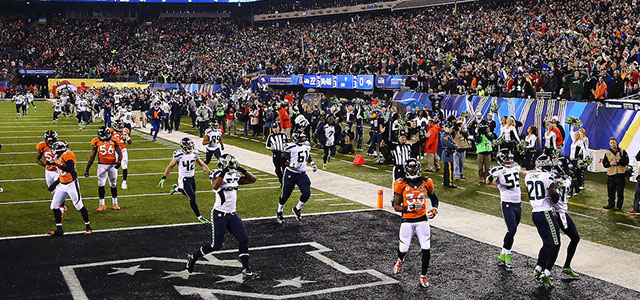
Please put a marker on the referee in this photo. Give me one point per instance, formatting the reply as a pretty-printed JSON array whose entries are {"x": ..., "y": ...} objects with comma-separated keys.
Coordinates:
[
  {"x": 276, "y": 142},
  {"x": 400, "y": 155}
]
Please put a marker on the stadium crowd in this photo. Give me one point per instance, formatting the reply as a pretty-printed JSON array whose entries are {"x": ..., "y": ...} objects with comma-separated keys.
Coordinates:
[{"x": 579, "y": 50}]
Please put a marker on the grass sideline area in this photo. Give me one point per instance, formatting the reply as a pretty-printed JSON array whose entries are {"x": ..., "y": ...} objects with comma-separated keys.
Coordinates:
[
  {"x": 608, "y": 227},
  {"x": 24, "y": 204}
]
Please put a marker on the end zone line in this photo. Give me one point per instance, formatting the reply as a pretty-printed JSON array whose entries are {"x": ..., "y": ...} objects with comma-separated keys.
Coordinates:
[
  {"x": 80, "y": 177},
  {"x": 76, "y": 151},
  {"x": 80, "y": 162},
  {"x": 176, "y": 225}
]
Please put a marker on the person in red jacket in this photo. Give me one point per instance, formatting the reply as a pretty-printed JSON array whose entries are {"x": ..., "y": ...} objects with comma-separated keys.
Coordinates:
[
  {"x": 431, "y": 146},
  {"x": 285, "y": 120}
]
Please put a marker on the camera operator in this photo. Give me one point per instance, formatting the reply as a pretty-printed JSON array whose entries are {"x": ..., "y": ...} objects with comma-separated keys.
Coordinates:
[
  {"x": 484, "y": 148},
  {"x": 460, "y": 136}
]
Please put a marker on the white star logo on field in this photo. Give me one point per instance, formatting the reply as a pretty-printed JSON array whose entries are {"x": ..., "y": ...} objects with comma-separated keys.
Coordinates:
[
  {"x": 184, "y": 274},
  {"x": 130, "y": 270},
  {"x": 296, "y": 282},
  {"x": 233, "y": 278}
]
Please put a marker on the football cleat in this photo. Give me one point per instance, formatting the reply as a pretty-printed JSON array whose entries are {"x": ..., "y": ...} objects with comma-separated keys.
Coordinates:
[
  {"x": 203, "y": 220},
  {"x": 546, "y": 280},
  {"x": 279, "y": 217},
  {"x": 64, "y": 208},
  {"x": 249, "y": 274},
  {"x": 501, "y": 258},
  {"x": 297, "y": 213},
  {"x": 101, "y": 208},
  {"x": 570, "y": 272},
  {"x": 124, "y": 186},
  {"x": 507, "y": 262},
  {"x": 57, "y": 232},
  {"x": 191, "y": 262},
  {"x": 537, "y": 275},
  {"x": 115, "y": 207},
  {"x": 424, "y": 282},
  {"x": 398, "y": 266},
  {"x": 324, "y": 167},
  {"x": 88, "y": 230},
  {"x": 173, "y": 190}
]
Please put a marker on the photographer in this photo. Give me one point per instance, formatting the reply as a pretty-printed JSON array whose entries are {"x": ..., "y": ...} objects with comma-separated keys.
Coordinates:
[
  {"x": 448, "y": 149},
  {"x": 460, "y": 135},
  {"x": 483, "y": 149}
]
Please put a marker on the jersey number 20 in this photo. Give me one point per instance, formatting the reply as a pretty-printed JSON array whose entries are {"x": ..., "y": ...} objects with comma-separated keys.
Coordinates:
[{"x": 536, "y": 190}]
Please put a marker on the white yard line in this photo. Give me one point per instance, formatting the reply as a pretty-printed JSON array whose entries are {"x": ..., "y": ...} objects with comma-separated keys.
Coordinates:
[
  {"x": 136, "y": 195},
  {"x": 42, "y": 178},
  {"x": 326, "y": 199},
  {"x": 341, "y": 204},
  {"x": 75, "y": 151},
  {"x": 623, "y": 224},
  {"x": 42, "y": 136},
  {"x": 82, "y": 162}
]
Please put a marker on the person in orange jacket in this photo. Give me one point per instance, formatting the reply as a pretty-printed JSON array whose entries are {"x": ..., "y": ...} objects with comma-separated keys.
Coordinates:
[{"x": 431, "y": 145}]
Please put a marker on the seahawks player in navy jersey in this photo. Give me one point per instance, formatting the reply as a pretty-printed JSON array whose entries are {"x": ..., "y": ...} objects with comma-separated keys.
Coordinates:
[
  {"x": 225, "y": 181},
  {"x": 296, "y": 156},
  {"x": 563, "y": 170},
  {"x": 507, "y": 178},
  {"x": 543, "y": 194},
  {"x": 186, "y": 158}
]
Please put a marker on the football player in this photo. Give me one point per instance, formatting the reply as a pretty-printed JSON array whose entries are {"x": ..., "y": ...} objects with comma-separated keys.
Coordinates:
[
  {"x": 296, "y": 155},
  {"x": 82, "y": 107},
  {"x": 44, "y": 150},
  {"x": 213, "y": 141},
  {"x": 109, "y": 160},
  {"x": 225, "y": 181},
  {"x": 57, "y": 110},
  {"x": 410, "y": 198},
  {"x": 123, "y": 134},
  {"x": 507, "y": 178},
  {"x": 541, "y": 188},
  {"x": 66, "y": 185},
  {"x": 563, "y": 170},
  {"x": 328, "y": 133},
  {"x": 186, "y": 158}
]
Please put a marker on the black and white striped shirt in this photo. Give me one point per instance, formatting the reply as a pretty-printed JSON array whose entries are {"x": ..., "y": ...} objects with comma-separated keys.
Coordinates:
[
  {"x": 277, "y": 140},
  {"x": 401, "y": 154}
]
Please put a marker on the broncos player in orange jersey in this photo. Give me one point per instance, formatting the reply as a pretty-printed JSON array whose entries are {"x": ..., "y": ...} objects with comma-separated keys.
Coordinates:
[
  {"x": 410, "y": 197},
  {"x": 123, "y": 134},
  {"x": 66, "y": 185},
  {"x": 44, "y": 150},
  {"x": 109, "y": 160}
]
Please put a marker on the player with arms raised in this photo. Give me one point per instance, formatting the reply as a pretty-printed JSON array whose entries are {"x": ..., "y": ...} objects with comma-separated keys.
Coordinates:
[
  {"x": 541, "y": 187},
  {"x": 296, "y": 155},
  {"x": 410, "y": 198},
  {"x": 66, "y": 185},
  {"x": 123, "y": 134},
  {"x": 225, "y": 181},
  {"x": 186, "y": 158},
  {"x": 507, "y": 178},
  {"x": 109, "y": 160}
]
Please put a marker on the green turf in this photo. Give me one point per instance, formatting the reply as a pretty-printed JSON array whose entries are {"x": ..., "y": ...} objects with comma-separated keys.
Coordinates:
[
  {"x": 155, "y": 208},
  {"x": 593, "y": 222}
]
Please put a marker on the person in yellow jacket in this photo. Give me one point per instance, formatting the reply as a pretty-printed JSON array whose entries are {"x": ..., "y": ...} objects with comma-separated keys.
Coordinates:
[{"x": 615, "y": 160}]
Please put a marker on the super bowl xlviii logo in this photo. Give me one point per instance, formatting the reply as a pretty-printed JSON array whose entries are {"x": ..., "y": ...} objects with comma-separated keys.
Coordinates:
[{"x": 287, "y": 271}]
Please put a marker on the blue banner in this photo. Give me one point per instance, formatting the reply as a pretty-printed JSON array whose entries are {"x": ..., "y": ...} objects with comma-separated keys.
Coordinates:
[
  {"x": 365, "y": 82},
  {"x": 280, "y": 79},
  {"x": 320, "y": 81},
  {"x": 391, "y": 81},
  {"x": 347, "y": 82},
  {"x": 37, "y": 71}
]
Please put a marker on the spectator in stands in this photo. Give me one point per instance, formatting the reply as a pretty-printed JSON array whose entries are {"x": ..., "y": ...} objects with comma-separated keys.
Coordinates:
[
  {"x": 600, "y": 92},
  {"x": 615, "y": 160},
  {"x": 576, "y": 85}
]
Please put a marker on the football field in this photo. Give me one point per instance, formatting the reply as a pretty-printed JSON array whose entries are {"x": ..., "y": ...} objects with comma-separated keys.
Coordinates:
[{"x": 24, "y": 204}]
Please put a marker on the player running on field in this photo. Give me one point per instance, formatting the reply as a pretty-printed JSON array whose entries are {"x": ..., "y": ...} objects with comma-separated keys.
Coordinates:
[
  {"x": 507, "y": 178},
  {"x": 410, "y": 198},
  {"x": 109, "y": 160},
  {"x": 541, "y": 188},
  {"x": 563, "y": 170},
  {"x": 44, "y": 150},
  {"x": 225, "y": 181},
  {"x": 66, "y": 185},
  {"x": 296, "y": 155},
  {"x": 123, "y": 134},
  {"x": 186, "y": 158},
  {"x": 213, "y": 141}
]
